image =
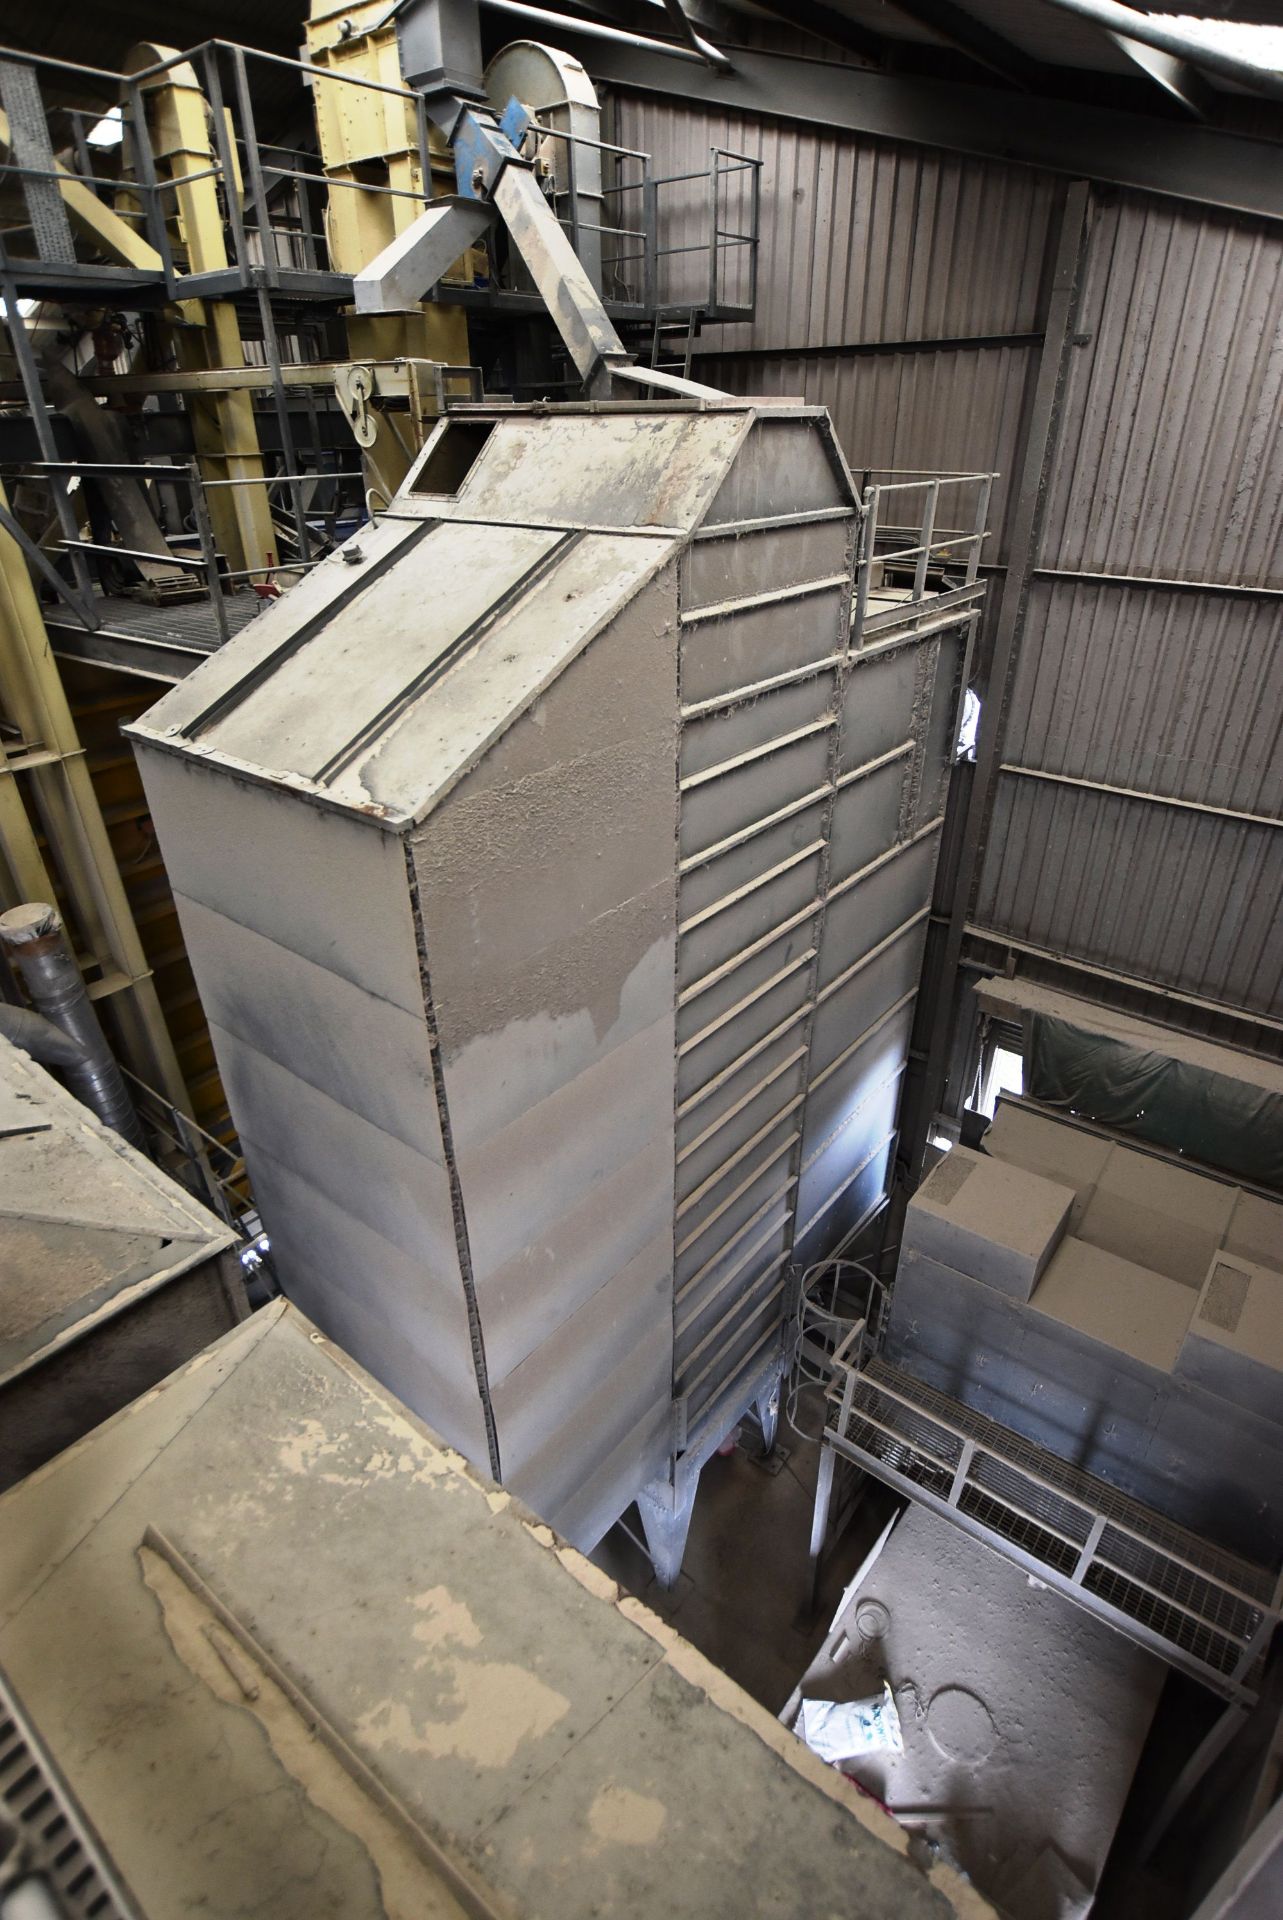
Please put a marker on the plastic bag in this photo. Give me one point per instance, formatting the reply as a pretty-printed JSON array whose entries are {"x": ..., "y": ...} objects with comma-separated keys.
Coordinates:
[{"x": 841, "y": 1729}]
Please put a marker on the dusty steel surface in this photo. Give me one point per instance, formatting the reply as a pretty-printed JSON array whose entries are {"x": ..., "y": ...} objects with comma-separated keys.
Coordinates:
[
  {"x": 1022, "y": 1718},
  {"x": 1129, "y": 1313},
  {"x": 110, "y": 1274},
  {"x": 295, "y": 1659},
  {"x": 560, "y": 934},
  {"x": 86, "y": 1224}
]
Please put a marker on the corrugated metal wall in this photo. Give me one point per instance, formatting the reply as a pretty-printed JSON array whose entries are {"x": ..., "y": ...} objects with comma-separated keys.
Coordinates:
[
  {"x": 1154, "y": 848},
  {"x": 899, "y": 287},
  {"x": 1135, "y": 824}
]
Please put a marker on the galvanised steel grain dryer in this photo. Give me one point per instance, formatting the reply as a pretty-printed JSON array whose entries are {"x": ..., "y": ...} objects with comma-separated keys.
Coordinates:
[{"x": 555, "y": 862}]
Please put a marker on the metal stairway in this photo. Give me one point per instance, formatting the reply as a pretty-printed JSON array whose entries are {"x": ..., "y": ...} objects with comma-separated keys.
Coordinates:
[
  {"x": 1198, "y": 1608},
  {"x": 684, "y": 325}
]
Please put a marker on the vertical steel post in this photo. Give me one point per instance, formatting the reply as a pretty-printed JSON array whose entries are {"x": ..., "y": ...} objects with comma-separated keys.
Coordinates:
[
  {"x": 226, "y": 156},
  {"x": 714, "y": 184},
  {"x": 145, "y": 165},
  {"x": 819, "y": 1523},
  {"x": 868, "y": 541},
  {"x": 928, "y": 529},
  {"x": 209, "y": 552},
  {"x": 982, "y": 518},
  {"x": 84, "y": 158},
  {"x": 272, "y": 347},
  {"x": 940, "y": 993},
  {"x": 650, "y": 256},
  {"x": 755, "y": 228},
  {"x": 254, "y": 167},
  {"x": 425, "y": 148},
  {"x": 572, "y": 185}
]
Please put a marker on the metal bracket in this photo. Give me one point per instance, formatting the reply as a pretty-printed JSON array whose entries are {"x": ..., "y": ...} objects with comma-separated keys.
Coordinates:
[
  {"x": 80, "y": 606},
  {"x": 483, "y": 148}
]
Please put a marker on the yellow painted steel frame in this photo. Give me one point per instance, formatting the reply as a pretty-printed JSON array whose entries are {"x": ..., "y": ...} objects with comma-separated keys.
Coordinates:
[
  {"x": 89, "y": 216},
  {"x": 370, "y": 139},
  {"x": 222, "y": 423},
  {"x": 51, "y": 764}
]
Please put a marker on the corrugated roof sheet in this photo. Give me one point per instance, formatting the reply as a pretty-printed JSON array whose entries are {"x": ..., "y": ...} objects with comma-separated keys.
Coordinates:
[
  {"x": 1172, "y": 693},
  {"x": 1183, "y": 899},
  {"x": 955, "y": 410},
  {"x": 1169, "y": 466},
  {"x": 1171, "y": 461}
]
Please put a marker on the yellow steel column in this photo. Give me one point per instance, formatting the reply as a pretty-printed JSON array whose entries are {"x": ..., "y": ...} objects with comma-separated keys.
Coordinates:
[
  {"x": 370, "y": 141},
  {"x": 28, "y": 875},
  {"x": 75, "y": 832},
  {"x": 222, "y": 423}
]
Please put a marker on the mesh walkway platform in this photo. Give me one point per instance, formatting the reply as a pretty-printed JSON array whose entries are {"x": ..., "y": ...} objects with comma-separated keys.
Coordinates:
[
  {"x": 1201, "y": 1609},
  {"x": 156, "y": 642}
]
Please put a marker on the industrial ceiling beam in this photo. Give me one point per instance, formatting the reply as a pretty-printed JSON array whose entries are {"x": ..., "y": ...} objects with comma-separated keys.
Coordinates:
[
  {"x": 827, "y": 24},
  {"x": 965, "y": 34},
  {"x": 1066, "y": 137},
  {"x": 1177, "y": 78},
  {"x": 683, "y": 28}
]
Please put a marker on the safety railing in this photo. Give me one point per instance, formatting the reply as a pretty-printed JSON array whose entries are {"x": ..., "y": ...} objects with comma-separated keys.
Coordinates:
[
  {"x": 1199, "y": 1608},
  {"x": 226, "y": 212},
  {"x": 211, "y": 1169},
  {"x": 209, "y": 573},
  {"x": 711, "y": 266},
  {"x": 904, "y": 546},
  {"x": 589, "y": 185}
]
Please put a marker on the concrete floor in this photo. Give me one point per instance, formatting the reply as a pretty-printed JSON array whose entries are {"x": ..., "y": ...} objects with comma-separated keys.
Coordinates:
[{"x": 740, "y": 1596}]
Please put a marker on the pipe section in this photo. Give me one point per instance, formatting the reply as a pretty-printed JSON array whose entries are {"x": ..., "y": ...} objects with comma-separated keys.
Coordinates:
[
  {"x": 34, "y": 942},
  {"x": 1151, "y": 32},
  {"x": 593, "y": 30}
]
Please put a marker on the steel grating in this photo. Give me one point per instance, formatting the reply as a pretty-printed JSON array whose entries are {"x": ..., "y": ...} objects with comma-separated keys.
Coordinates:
[
  {"x": 1219, "y": 1651},
  {"x": 1226, "y": 1568},
  {"x": 35, "y": 163},
  {"x": 1018, "y": 1529},
  {"x": 44, "y": 1839},
  {"x": 158, "y": 642},
  {"x": 1204, "y": 1610}
]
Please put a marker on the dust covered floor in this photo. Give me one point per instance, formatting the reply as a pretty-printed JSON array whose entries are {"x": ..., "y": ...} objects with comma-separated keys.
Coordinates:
[{"x": 741, "y": 1596}]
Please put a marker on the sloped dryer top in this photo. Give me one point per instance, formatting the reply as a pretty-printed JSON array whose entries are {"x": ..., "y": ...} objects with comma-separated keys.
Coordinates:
[
  {"x": 377, "y": 691},
  {"x": 387, "y": 672}
]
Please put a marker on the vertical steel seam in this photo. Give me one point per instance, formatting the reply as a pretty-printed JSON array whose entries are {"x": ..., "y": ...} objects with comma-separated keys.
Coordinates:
[{"x": 463, "y": 1248}]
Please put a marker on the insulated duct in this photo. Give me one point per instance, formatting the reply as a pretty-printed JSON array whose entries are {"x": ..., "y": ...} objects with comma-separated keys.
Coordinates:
[
  {"x": 36, "y": 947},
  {"x": 39, "y": 1037}
]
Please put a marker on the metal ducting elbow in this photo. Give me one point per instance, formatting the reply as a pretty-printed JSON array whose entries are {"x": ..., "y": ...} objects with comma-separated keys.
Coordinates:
[
  {"x": 39, "y": 1037},
  {"x": 35, "y": 945}
]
